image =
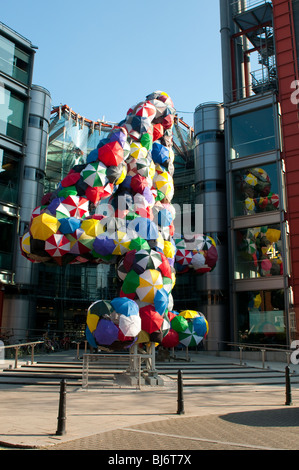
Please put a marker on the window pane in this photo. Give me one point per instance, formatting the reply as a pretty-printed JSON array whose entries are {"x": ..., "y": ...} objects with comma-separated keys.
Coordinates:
[
  {"x": 7, "y": 230},
  {"x": 11, "y": 115},
  {"x": 261, "y": 317},
  {"x": 258, "y": 252},
  {"x": 13, "y": 61},
  {"x": 9, "y": 177},
  {"x": 252, "y": 133},
  {"x": 255, "y": 190}
]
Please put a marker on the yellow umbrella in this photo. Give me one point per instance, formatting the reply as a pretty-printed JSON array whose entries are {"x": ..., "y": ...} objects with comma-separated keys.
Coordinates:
[
  {"x": 273, "y": 235},
  {"x": 143, "y": 337},
  {"x": 189, "y": 314},
  {"x": 92, "y": 321},
  {"x": 25, "y": 242},
  {"x": 122, "y": 243},
  {"x": 92, "y": 227},
  {"x": 122, "y": 176},
  {"x": 43, "y": 226},
  {"x": 169, "y": 250},
  {"x": 149, "y": 282},
  {"x": 138, "y": 151},
  {"x": 164, "y": 183}
]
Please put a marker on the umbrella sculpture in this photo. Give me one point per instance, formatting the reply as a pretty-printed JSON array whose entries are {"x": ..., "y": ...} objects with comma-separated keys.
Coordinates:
[{"x": 116, "y": 208}]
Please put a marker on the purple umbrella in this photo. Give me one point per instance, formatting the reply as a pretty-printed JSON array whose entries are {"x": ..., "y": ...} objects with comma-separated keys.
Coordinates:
[
  {"x": 106, "y": 332},
  {"x": 103, "y": 245}
]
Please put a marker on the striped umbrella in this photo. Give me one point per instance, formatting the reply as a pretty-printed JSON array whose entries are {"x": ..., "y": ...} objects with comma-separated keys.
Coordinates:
[{"x": 95, "y": 174}]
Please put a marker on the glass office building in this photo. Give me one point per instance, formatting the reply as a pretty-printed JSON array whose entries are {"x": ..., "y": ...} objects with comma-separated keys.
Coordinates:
[{"x": 24, "y": 121}]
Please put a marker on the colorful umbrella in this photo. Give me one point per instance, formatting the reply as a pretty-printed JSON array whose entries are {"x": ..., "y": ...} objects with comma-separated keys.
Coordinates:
[
  {"x": 151, "y": 320},
  {"x": 130, "y": 325},
  {"x": 121, "y": 241},
  {"x": 149, "y": 283},
  {"x": 80, "y": 242},
  {"x": 179, "y": 323},
  {"x": 25, "y": 242},
  {"x": 57, "y": 245},
  {"x": 95, "y": 174},
  {"x": 92, "y": 227},
  {"x": 137, "y": 151},
  {"x": 200, "y": 325},
  {"x": 43, "y": 226},
  {"x": 161, "y": 301},
  {"x": 189, "y": 337},
  {"x": 69, "y": 225},
  {"x": 125, "y": 306},
  {"x": 171, "y": 339},
  {"x": 146, "y": 109},
  {"x": 111, "y": 154},
  {"x": 106, "y": 332},
  {"x": 189, "y": 314},
  {"x": 183, "y": 257},
  {"x": 100, "y": 308},
  {"x": 145, "y": 259},
  {"x": 76, "y": 205}
]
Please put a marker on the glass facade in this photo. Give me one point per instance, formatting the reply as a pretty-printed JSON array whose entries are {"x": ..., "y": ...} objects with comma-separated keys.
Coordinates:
[
  {"x": 9, "y": 176},
  {"x": 252, "y": 133},
  {"x": 258, "y": 252},
  {"x": 255, "y": 190},
  {"x": 7, "y": 236},
  {"x": 261, "y": 316},
  {"x": 12, "y": 108},
  {"x": 14, "y": 61}
]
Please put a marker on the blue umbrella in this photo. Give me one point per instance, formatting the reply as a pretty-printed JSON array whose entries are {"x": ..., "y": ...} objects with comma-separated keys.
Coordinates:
[
  {"x": 69, "y": 225},
  {"x": 145, "y": 228},
  {"x": 160, "y": 153},
  {"x": 125, "y": 306},
  {"x": 164, "y": 218},
  {"x": 119, "y": 136},
  {"x": 92, "y": 156},
  {"x": 106, "y": 332},
  {"x": 103, "y": 245},
  {"x": 161, "y": 301},
  {"x": 90, "y": 338},
  {"x": 200, "y": 325}
]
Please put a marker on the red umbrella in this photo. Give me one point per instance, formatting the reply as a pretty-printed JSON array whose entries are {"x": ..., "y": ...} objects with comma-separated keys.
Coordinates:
[
  {"x": 111, "y": 154},
  {"x": 151, "y": 320},
  {"x": 158, "y": 131},
  {"x": 76, "y": 205},
  {"x": 71, "y": 179},
  {"x": 139, "y": 183},
  {"x": 57, "y": 245},
  {"x": 171, "y": 339}
]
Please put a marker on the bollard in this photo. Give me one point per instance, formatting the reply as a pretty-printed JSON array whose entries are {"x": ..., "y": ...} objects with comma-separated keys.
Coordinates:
[
  {"x": 62, "y": 407},
  {"x": 180, "y": 409},
  {"x": 288, "y": 386}
]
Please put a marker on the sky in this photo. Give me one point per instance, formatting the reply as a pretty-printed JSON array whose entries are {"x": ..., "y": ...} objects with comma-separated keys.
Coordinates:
[{"x": 100, "y": 58}]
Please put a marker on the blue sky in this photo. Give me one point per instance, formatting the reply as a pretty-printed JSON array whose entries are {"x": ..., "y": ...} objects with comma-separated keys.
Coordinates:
[{"x": 102, "y": 57}]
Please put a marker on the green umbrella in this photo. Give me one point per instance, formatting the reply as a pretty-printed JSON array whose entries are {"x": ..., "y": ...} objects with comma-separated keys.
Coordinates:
[
  {"x": 131, "y": 283},
  {"x": 69, "y": 191},
  {"x": 139, "y": 244},
  {"x": 147, "y": 141},
  {"x": 179, "y": 324},
  {"x": 189, "y": 337},
  {"x": 100, "y": 308},
  {"x": 95, "y": 174}
]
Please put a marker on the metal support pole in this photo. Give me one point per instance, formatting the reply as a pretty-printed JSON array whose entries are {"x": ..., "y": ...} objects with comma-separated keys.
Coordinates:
[
  {"x": 288, "y": 386},
  {"x": 263, "y": 357},
  {"x": 62, "y": 408},
  {"x": 180, "y": 409}
]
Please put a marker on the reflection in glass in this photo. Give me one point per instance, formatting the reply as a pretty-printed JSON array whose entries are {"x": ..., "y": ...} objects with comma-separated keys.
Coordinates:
[
  {"x": 13, "y": 61},
  {"x": 261, "y": 317},
  {"x": 258, "y": 252},
  {"x": 7, "y": 230},
  {"x": 252, "y": 133},
  {"x": 11, "y": 115},
  {"x": 9, "y": 177},
  {"x": 255, "y": 190}
]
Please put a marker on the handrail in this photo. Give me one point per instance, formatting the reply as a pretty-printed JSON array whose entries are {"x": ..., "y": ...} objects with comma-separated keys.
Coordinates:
[
  {"x": 260, "y": 348},
  {"x": 17, "y": 346}
]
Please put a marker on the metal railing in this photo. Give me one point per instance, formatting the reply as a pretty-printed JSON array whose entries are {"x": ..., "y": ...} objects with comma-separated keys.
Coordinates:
[{"x": 17, "y": 347}]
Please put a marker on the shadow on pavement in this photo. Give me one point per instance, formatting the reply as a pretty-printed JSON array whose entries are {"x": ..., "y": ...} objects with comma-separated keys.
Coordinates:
[{"x": 283, "y": 417}]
